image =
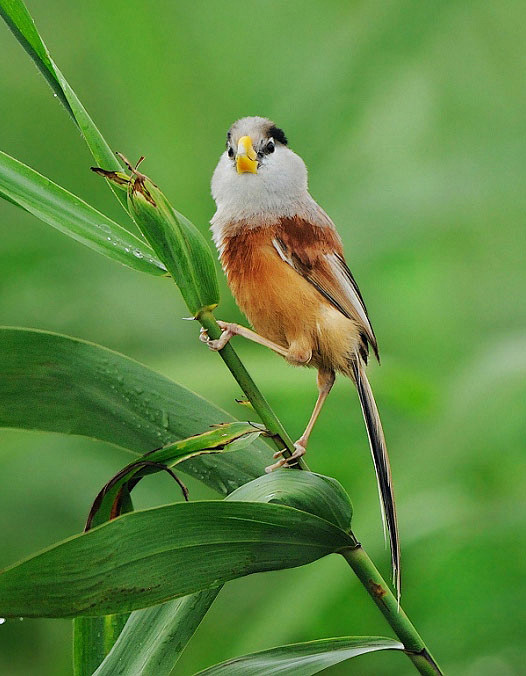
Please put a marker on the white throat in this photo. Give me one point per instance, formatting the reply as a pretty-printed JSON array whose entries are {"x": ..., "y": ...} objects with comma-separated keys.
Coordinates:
[{"x": 278, "y": 190}]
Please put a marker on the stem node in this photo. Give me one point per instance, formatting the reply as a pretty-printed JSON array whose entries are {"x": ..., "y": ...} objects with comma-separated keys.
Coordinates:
[{"x": 389, "y": 606}]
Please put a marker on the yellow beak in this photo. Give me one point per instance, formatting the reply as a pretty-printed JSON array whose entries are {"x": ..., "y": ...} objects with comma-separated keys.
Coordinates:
[{"x": 246, "y": 158}]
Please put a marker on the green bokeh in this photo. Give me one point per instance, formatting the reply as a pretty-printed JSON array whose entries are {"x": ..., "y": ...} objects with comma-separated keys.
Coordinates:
[{"x": 410, "y": 117}]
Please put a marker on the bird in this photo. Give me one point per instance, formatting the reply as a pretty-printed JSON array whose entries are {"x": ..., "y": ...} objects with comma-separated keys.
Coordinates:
[{"x": 285, "y": 265}]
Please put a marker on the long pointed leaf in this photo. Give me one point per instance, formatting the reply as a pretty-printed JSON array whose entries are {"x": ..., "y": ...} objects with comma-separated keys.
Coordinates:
[
  {"x": 54, "y": 383},
  {"x": 154, "y": 638},
  {"x": 54, "y": 205},
  {"x": 227, "y": 437},
  {"x": 93, "y": 637},
  {"x": 20, "y": 22},
  {"x": 158, "y": 634},
  {"x": 302, "y": 659},
  {"x": 148, "y": 557}
]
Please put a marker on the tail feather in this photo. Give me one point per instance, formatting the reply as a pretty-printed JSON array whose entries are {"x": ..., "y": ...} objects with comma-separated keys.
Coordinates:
[{"x": 381, "y": 464}]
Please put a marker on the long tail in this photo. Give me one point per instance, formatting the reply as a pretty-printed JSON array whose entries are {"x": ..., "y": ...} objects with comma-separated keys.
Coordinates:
[{"x": 381, "y": 464}]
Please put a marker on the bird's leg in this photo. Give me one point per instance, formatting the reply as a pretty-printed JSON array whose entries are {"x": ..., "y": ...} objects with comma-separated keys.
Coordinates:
[
  {"x": 230, "y": 330},
  {"x": 326, "y": 380}
]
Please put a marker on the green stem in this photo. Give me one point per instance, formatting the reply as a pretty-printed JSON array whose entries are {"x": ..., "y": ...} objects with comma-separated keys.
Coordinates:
[
  {"x": 415, "y": 648},
  {"x": 258, "y": 401}
]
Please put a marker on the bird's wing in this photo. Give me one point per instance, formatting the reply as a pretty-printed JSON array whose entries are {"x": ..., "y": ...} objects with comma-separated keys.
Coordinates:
[{"x": 316, "y": 253}]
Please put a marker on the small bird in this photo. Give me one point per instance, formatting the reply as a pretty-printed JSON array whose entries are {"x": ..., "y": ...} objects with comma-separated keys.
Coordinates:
[{"x": 284, "y": 262}]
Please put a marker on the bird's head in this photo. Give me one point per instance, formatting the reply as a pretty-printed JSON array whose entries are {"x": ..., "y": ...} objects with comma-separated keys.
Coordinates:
[
  {"x": 257, "y": 170},
  {"x": 253, "y": 142}
]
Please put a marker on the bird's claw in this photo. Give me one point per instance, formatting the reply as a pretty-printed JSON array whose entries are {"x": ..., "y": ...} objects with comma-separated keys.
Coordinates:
[
  {"x": 205, "y": 338},
  {"x": 299, "y": 452},
  {"x": 203, "y": 335},
  {"x": 220, "y": 342}
]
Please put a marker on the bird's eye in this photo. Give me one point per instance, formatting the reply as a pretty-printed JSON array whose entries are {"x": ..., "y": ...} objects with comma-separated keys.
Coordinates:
[
  {"x": 270, "y": 147},
  {"x": 230, "y": 151}
]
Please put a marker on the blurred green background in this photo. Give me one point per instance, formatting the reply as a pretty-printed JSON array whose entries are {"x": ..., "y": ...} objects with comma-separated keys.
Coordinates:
[{"x": 410, "y": 117}]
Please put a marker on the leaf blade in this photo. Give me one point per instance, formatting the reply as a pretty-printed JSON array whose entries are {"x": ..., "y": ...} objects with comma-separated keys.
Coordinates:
[
  {"x": 93, "y": 638},
  {"x": 136, "y": 560},
  {"x": 141, "y": 648},
  {"x": 55, "y": 383},
  {"x": 302, "y": 659},
  {"x": 19, "y": 20},
  {"x": 224, "y": 438},
  {"x": 154, "y": 638},
  {"x": 307, "y": 491},
  {"x": 66, "y": 212},
  {"x": 17, "y": 17}
]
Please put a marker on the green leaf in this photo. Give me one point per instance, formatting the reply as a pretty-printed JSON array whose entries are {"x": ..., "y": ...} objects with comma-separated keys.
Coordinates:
[
  {"x": 314, "y": 493},
  {"x": 54, "y": 383},
  {"x": 231, "y": 436},
  {"x": 20, "y": 22},
  {"x": 54, "y": 205},
  {"x": 154, "y": 638},
  {"x": 93, "y": 637},
  {"x": 148, "y": 557},
  {"x": 224, "y": 438},
  {"x": 302, "y": 659}
]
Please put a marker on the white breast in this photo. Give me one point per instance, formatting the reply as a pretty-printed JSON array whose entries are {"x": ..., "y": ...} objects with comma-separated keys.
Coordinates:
[{"x": 278, "y": 190}]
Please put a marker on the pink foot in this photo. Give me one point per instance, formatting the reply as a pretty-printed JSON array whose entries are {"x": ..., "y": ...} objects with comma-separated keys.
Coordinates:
[{"x": 299, "y": 451}]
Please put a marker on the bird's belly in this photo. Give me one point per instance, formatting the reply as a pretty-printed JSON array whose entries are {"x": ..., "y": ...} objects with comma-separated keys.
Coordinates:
[{"x": 285, "y": 308}]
